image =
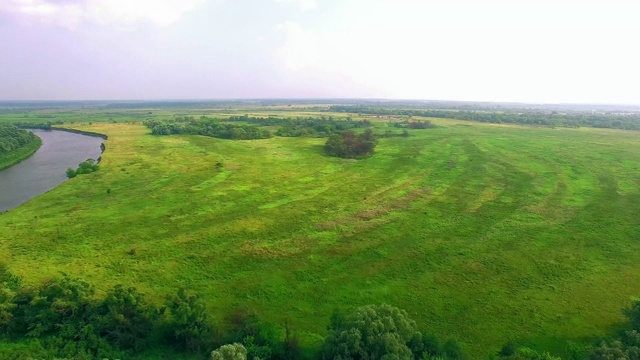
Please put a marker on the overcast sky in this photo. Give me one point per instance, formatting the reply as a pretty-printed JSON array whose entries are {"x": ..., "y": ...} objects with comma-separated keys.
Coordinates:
[{"x": 532, "y": 51}]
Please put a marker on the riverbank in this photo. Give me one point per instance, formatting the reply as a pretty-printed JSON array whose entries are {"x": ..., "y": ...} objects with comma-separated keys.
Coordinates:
[
  {"x": 46, "y": 169},
  {"x": 20, "y": 154},
  {"x": 82, "y": 132},
  {"x": 88, "y": 133}
]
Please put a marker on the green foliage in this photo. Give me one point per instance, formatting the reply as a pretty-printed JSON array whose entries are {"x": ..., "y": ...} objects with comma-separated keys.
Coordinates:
[
  {"x": 86, "y": 167},
  {"x": 230, "y": 352},
  {"x": 351, "y": 146},
  {"x": 12, "y": 138},
  {"x": 511, "y": 352},
  {"x": 71, "y": 173},
  {"x": 65, "y": 317},
  {"x": 310, "y": 126},
  {"x": 626, "y": 348},
  {"x": 207, "y": 127},
  {"x": 374, "y": 332},
  {"x": 633, "y": 314},
  {"x": 16, "y": 144},
  {"x": 261, "y": 340},
  {"x": 125, "y": 318},
  {"x": 191, "y": 330}
]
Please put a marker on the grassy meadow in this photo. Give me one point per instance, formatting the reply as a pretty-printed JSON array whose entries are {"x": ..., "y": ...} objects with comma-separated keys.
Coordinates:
[{"x": 483, "y": 233}]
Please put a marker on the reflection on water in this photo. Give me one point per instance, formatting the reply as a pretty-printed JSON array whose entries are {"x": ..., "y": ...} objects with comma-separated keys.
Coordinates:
[{"x": 45, "y": 169}]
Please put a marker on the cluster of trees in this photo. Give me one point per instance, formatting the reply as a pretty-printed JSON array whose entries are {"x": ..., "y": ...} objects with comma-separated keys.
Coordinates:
[
  {"x": 86, "y": 167},
  {"x": 351, "y": 146},
  {"x": 382, "y": 332},
  {"x": 13, "y": 138},
  {"x": 630, "y": 121},
  {"x": 246, "y": 127},
  {"x": 320, "y": 126},
  {"x": 66, "y": 318},
  {"x": 207, "y": 127}
]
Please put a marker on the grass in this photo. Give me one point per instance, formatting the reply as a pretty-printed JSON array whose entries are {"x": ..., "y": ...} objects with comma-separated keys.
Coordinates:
[
  {"x": 483, "y": 233},
  {"x": 20, "y": 154}
]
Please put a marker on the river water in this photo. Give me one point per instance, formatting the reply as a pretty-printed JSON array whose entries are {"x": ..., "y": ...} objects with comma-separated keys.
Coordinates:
[{"x": 46, "y": 169}]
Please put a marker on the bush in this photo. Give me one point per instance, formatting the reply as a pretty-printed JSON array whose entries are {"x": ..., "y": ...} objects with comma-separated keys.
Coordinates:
[{"x": 86, "y": 167}]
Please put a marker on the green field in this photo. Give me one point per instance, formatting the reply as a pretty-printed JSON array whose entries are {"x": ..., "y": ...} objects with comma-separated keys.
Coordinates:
[
  {"x": 20, "y": 154},
  {"x": 483, "y": 233}
]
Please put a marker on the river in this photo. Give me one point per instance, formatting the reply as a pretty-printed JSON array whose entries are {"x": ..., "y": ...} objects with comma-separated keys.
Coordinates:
[{"x": 46, "y": 169}]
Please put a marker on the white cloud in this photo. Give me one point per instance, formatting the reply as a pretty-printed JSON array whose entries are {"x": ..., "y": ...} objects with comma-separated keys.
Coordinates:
[
  {"x": 305, "y": 5},
  {"x": 121, "y": 14},
  {"x": 523, "y": 64}
]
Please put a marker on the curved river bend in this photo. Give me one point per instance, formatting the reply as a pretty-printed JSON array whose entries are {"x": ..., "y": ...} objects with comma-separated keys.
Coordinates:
[{"x": 46, "y": 169}]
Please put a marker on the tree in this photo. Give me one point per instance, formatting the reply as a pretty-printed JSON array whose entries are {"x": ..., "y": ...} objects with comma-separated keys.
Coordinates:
[
  {"x": 371, "y": 332},
  {"x": 633, "y": 314},
  {"x": 125, "y": 318},
  {"x": 627, "y": 348},
  {"x": 189, "y": 321},
  {"x": 230, "y": 352}
]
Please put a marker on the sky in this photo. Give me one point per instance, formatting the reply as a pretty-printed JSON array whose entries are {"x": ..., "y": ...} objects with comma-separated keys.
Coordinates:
[{"x": 543, "y": 51}]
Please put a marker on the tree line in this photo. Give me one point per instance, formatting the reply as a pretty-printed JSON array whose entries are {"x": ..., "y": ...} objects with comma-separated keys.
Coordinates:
[
  {"x": 207, "y": 127},
  {"x": 65, "y": 317},
  {"x": 320, "y": 126},
  {"x": 13, "y": 138},
  {"x": 246, "y": 127},
  {"x": 629, "y": 121}
]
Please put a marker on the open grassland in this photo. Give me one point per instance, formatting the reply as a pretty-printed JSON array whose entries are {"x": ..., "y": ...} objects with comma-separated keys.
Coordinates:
[{"x": 483, "y": 233}]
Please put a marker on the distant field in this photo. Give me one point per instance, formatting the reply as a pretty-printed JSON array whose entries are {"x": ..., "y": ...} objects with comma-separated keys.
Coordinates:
[{"x": 483, "y": 233}]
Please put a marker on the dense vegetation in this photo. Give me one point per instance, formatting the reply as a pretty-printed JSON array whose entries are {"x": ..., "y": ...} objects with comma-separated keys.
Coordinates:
[
  {"x": 309, "y": 126},
  {"x": 348, "y": 145},
  {"x": 63, "y": 317},
  {"x": 86, "y": 167},
  {"x": 628, "y": 121},
  {"x": 244, "y": 127},
  {"x": 207, "y": 127},
  {"x": 16, "y": 144}
]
